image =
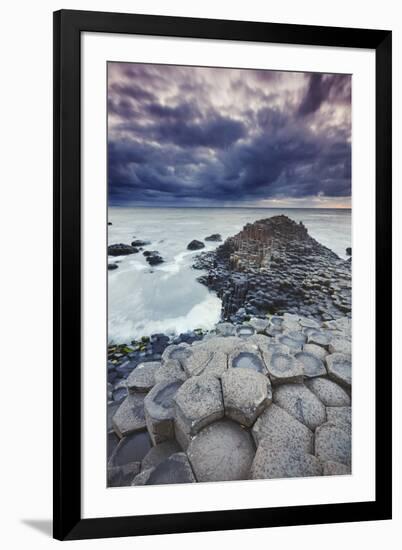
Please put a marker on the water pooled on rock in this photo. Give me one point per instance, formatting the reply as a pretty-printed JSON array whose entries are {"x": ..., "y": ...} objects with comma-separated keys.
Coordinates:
[
  {"x": 164, "y": 397},
  {"x": 247, "y": 360}
]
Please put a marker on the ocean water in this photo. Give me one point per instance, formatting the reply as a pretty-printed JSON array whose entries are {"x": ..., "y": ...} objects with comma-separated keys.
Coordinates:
[{"x": 143, "y": 300}]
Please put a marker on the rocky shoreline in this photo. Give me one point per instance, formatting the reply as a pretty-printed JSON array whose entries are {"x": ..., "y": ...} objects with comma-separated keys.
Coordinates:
[{"x": 265, "y": 394}]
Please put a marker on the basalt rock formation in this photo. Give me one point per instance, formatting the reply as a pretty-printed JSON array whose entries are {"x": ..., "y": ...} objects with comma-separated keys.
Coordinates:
[{"x": 275, "y": 266}]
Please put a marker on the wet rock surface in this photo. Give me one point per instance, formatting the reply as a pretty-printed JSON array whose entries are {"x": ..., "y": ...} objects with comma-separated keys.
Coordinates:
[{"x": 265, "y": 394}]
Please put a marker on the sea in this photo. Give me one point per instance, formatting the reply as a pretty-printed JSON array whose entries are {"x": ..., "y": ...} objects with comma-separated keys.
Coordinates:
[{"x": 143, "y": 300}]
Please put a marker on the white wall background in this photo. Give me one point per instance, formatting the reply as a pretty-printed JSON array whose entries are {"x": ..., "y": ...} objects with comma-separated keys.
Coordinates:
[{"x": 26, "y": 272}]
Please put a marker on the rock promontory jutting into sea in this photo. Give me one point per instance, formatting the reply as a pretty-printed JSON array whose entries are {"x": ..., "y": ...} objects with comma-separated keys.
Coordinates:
[
  {"x": 275, "y": 266},
  {"x": 266, "y": 394}
]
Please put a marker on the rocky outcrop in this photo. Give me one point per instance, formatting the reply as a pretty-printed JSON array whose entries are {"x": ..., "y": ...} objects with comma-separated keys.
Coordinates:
[
  {"x": 195, "y": 245},
  {"x": 275, "y": 266},
  {"x": 215, "y": 237},
  {"x": 121, "y": 250},
  {"x": 153, "y": 257},
  {"x": 243, "y": 402}
]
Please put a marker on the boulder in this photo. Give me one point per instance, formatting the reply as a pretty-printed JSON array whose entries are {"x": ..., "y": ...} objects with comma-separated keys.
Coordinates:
[
  {"x": 340, "y": 368},
  {"x": 159, "y": 411},
  {"x": 282, "y": 462},
  {"x": 301, "y": 403},
  {"x": 195, "y": 245},
  {"x": 130, "y": 416},
  {"x": 112, "y": 266},
  {"x": 198, "y": 402},
  {"x": 332, "y": 444},
  {"x": 246, "y": 393},
  {"x": 139, "y": 242},
  {"x": 153, "y": 257},
  {"x": 348, "y": 251},
  {"x": 215, "y": 237},
  {"x": 222, "y": 451},
  {"x": 142, "y": 378},
  {"x": 174, "y": 469},
  {"x": 312, "y": 365},
  {"x": 283, "y": 430},
  {"x": 284, "y": 368},
  {"x": 328, "y": 392},
  {"x": 121, "y": 250}
]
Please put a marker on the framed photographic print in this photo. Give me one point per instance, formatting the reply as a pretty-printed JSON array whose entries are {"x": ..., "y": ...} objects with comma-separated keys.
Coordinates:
[{"x": 222, "y": 257}]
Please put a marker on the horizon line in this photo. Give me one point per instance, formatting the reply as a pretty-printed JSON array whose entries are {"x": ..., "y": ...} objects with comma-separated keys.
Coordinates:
[{"x": 238, "y": 207}]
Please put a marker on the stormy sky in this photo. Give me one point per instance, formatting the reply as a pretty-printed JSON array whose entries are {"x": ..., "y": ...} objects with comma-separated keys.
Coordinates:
[{"x": 196, "y": 136}]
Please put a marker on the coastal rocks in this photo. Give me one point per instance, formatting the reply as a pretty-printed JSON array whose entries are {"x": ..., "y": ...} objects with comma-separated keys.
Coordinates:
[
  {"x": 170, "y": 371},
  {"x": 130, "y": 416},
  {"x": 340, "y": 345},
  {"x": 225, "y": 329},
  {"x": 125, "y": 461},
  {"x": 198, "y": 403},
  {"x": 121, "y": 250},
  {"x": 339, "y": 368},
  {"x": 175, "y": 469},
  {"x": 275, "y": 266},
  {"x": 139, "y": 242},
  {"x": 284, "y": 368},
  {"x": 332, "y": 468},
  {"x": 301, "y": 403},
  {"x": 332, "y": 444},
  {"x": 153, "y": 257},
  {"x": 142, "y": 378},
  {"x": 348, "y": 251},
  {"x": 329, "y": 392},
  {"x": 111, "y": 267},
  {"x": 283, "y": 430},
  {"x": 315, "y": 350},
  {"x": 246, "y": 393},
  {"x": 312, "y": 365},
  {"x": 341, "y": 417},
  {"x": 159, "y": 453},
  {"x": 280, "y": 462},
  {"x": 223, "y": 451},
  {"x": 159, "y": 411},
  {"x": 195, "y": 245},
  {"x": 215, "y": 237}
]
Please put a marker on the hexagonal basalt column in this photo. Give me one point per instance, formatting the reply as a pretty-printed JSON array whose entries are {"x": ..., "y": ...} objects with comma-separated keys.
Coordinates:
[
  {"x": 312, "y": 365},
  {"x": 284, "y": 368},
  {"x": 198, "y": 403},
  {"x": 130, "y": 416},
  {"x": 339, "y": 368},
  {"x": 246, "y": 393},
  {"x": 159, "y": 410},
  {"x": 142, "y": 378},
  {"x": 301, "y": 403},
  {"x": 247, "y": 360},
  {"x": 223, "y": 451}
]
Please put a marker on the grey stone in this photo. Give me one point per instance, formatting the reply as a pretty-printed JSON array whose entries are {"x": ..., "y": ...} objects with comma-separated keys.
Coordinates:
[
  {"x": 159, "y": 453},
  {"x": 225, "y": 329},
  {"x": 170, "y": 371},
  {"x": 223, "y": 451},
  {"x": 112, "y": 442},
  {"x": 284, "y": 368},
  {"x": 111, "y": 411},
  {"x": 282, "y": 462},
  {"x": 297, "y": 335},
  {"x": 291, "y": 343},
  {"x": 142, "y": 377},
  {"x": 328, "y": 392},
  {"x": 196, "y": 361},
  {"x": 176, "y": 352},
  {"x": 309, "y": 323},
  {"x": 247, "y": 360},
  {"x": 341, "y": 417},
  {"x": 217, "y": 365},
  {"x": 319, "y": 338},
  {"x": 228, "y": 344},
  {"x": 312, "y": 366},
  {"x": 259, "y": 325},
  {"x": 174, "y": 469},
  {"x": 245, "y": 330},
  {"x": 122, "y": 476},
  {"x": 315, "y": 350},
  {"x": 131, "y": 448},
  {"x": 130, "y": 416},
  {"x": 332, "y": 444},
  {"x": 332, "y": 468},
  {"x": 246, "y": 393},
  {"x": 340, "y": 368},
  {"x": 197, "y": 403},
  {"x": 340, "y": 345},
  {"x": 282, "y": 429},
  {"x": 301, "y": 403},
  {"x": 159, "y": 410}
]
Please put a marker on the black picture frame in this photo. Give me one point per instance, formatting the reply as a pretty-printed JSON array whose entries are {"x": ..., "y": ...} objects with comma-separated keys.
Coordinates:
[{"x": 68, "y": 26}]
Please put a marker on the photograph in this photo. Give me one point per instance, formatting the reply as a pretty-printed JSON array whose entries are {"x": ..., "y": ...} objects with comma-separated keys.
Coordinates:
[{"x": 229, "y": 267}]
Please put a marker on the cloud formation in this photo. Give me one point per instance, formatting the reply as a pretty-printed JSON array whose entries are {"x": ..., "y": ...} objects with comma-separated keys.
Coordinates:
[{"x": 200, "y": 136}]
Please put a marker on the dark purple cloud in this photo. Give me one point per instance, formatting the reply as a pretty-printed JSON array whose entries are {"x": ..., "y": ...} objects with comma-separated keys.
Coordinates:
[{"x": 203, "y": 136}]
